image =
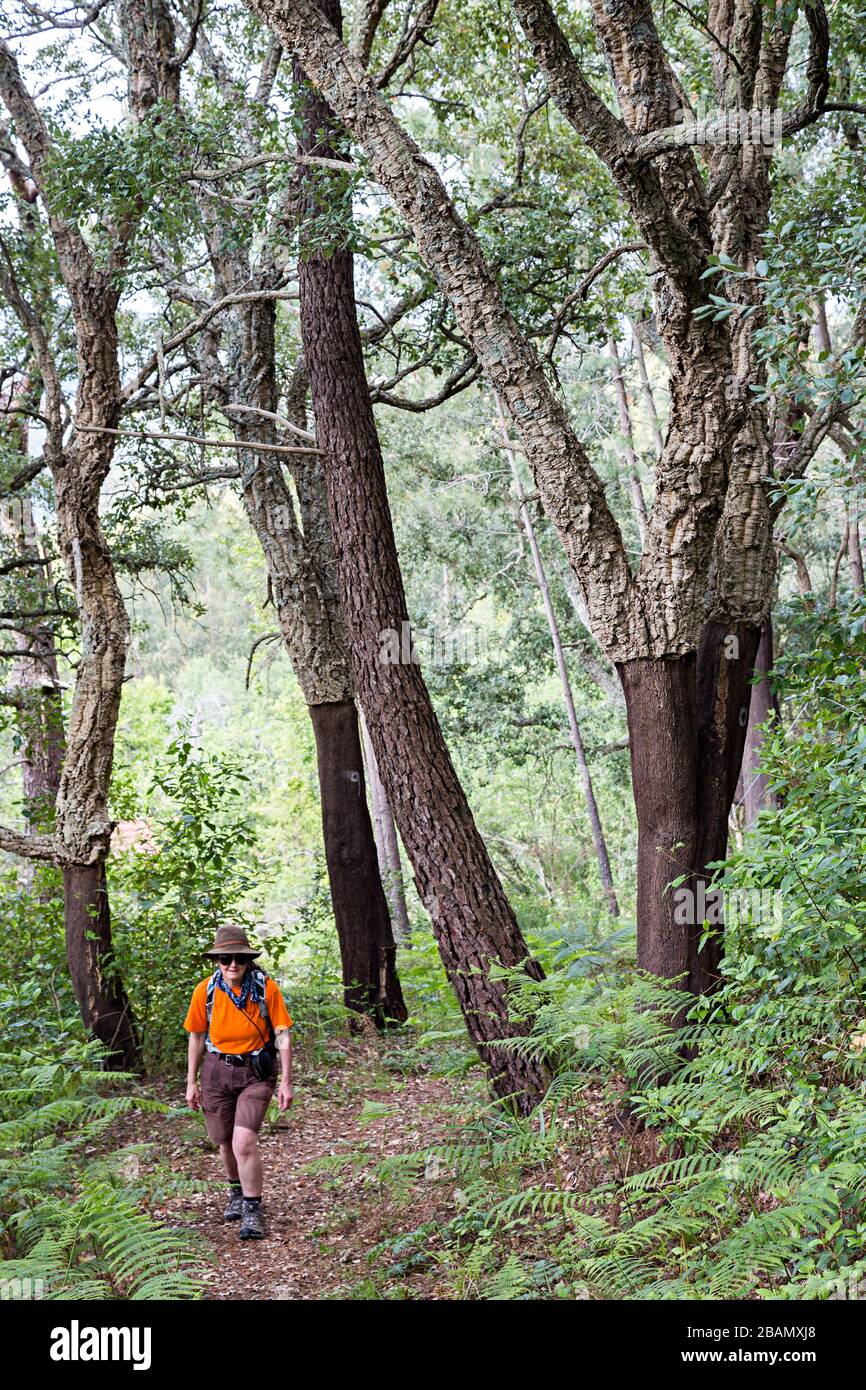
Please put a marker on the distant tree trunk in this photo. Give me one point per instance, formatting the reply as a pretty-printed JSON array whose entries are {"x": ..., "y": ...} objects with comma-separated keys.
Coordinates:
[
  {"x": 40, "y": 724},
  {"x": 756, "y": 787},
  {"x": 101, "y": 998},
  {"x": 855, "y": 557},
  {"x": 363, "y": 925},
  {"x": 647, "y": 391},
  {"x": 637, "y": 498},
  {"x": 387, "y": 845},
  {"x": 473, "y": 921},
  {"x": 33, "y": 680},
  {"x": 36, "y": 685},
  {"x": 824, "y": 343},
  {"x": 564, "y": 680}
]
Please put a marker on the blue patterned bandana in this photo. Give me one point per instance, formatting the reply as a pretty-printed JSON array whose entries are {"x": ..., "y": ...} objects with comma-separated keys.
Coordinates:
[{"x": 252, "y": 987}]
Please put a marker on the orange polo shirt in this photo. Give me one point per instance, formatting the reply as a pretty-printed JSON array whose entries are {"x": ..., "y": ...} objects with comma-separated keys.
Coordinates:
[{"x": 230, "y": 1029}]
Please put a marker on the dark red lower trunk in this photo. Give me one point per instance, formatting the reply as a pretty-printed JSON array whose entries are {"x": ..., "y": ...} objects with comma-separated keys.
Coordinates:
[
  {"x": 105, "y": 1009},
  {"x": 367, "y": 950},
  {"x": 687, "y": 720}
]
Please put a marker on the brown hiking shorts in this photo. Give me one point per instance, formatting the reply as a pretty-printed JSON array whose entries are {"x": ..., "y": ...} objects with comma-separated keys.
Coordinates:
[{"x": 232, "y": 1096}]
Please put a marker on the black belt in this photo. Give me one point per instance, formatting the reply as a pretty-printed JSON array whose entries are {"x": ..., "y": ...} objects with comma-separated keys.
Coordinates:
[{"x": 234, "y": 1059}]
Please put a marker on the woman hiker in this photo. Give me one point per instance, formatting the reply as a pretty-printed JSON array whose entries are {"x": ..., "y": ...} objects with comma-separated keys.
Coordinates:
[{"x": 234, "y": 1014}]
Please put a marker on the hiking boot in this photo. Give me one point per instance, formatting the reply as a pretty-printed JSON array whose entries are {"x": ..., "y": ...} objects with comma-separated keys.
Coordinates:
[
  {"x": 252, "y": 1224},
  {"x": 234, "y": 1207}
]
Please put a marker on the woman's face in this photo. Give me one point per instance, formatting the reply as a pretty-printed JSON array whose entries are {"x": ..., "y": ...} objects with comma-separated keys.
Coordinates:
[{"x": 234, "y": 974}]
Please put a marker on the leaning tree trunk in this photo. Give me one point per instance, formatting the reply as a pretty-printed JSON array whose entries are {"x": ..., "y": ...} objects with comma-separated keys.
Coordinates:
[
  {"x": 299, "y": 555},
  {"x": 473, "y": 921},
  {"x": 367, "y": 949},
  {"x": 687, "y": 719}
]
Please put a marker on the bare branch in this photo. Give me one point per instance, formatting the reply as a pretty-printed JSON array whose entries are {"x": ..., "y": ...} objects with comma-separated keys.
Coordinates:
[
  {"x": 368, "y": 17},
  {"x": 253, "y": 446},
  {"x": 408, "y": 41},
  {"x": 464, "y": 375}
]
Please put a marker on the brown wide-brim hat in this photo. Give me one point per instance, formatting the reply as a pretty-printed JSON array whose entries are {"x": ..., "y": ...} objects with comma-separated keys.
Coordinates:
[{"x": 232, "y": 940}]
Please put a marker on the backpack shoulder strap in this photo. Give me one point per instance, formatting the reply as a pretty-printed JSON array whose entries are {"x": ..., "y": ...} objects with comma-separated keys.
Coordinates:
[
  {"x": 262, "y": 996},
  {"x": 211, "y": 987}
]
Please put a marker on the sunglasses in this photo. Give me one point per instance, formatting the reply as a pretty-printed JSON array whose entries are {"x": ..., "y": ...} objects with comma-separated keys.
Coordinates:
[{"x": 233, "y": 960}]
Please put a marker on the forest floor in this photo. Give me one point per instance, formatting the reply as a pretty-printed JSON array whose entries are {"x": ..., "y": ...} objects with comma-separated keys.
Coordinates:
[{"x": 348, "y": 1217}]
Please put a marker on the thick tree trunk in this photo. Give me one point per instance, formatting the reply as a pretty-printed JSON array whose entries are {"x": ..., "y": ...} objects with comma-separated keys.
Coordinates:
[
  {"x": 101, "y": 998},
  {"x": 474, "y": 924},
  {"x": 367, "y": 948},
  {"x": 687, "y": 720},
  {"x": 83, "y": 823},
  {"x": 387, "y": 845}
]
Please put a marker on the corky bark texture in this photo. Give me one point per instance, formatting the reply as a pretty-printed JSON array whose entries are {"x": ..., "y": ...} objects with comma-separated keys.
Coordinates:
[
  {"x": 473, "y": 921},
  {"x": 699, "y": 583}
]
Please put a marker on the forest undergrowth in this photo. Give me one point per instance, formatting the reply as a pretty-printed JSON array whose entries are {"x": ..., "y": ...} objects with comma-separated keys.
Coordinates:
[{"x": 722, "y": 1158}]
